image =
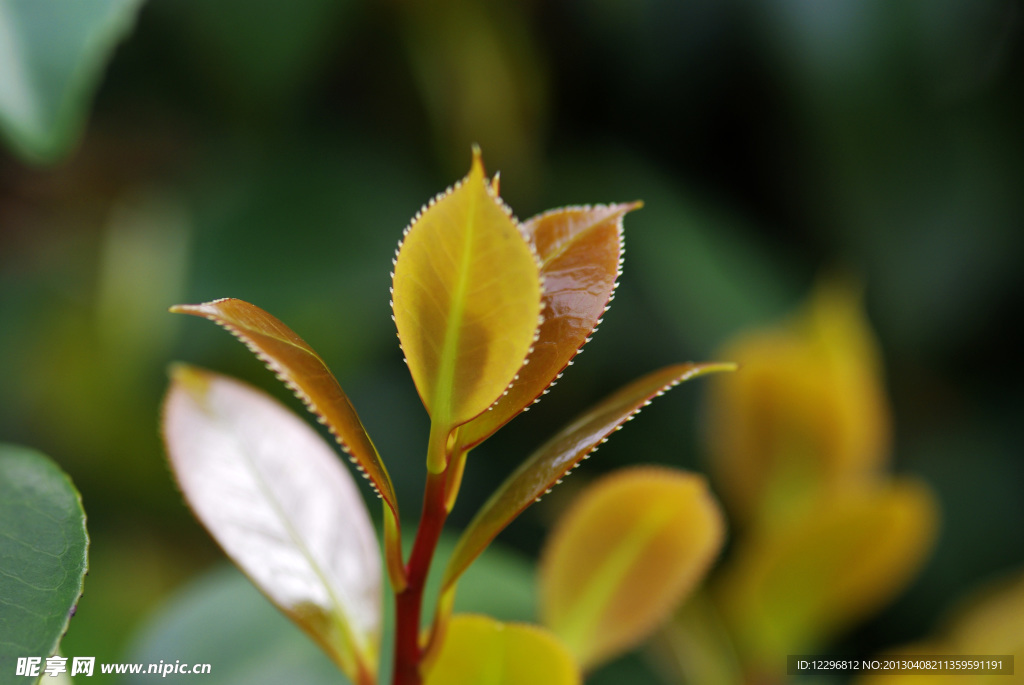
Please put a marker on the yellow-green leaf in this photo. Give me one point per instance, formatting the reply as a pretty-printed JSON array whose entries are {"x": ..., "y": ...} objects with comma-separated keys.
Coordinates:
[
  {"x": 624, "y": 556},
  {"x": 280, "y": 503},
  {"x": 479, "y": 650},
  {"x": 546, "y": 467},
  {"x": 792, "y": 589},
  {"x": 807, "y": 418},
  {"x": 580, "y": 249},
  {"x": 466, "y": 299},
  {"x": 305, "y": 373}
]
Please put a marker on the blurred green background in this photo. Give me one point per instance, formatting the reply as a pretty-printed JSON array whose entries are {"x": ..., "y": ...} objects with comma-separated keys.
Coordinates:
[{"x": 275, "y": 151}]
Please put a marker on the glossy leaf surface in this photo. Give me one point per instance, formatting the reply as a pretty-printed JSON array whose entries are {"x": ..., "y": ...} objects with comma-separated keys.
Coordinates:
[
  {"x": 580, "y": 249},
  {"x": 51, "y": 57},
  {"x": 43, "y": 550},
  {"x": 630, "y": 548},
  {"x": 305, "y": 374},
  {"x": 479, "y": 650},
  {"x": 276, "y": 497},
  {"x": 466, "y": 298},
  {"x": 794, "y": 588},
  {"x": 556, "y": 458}
]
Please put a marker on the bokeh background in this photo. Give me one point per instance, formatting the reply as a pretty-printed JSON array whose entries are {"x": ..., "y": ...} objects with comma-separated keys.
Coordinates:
[{"x": 275, "y": 151}]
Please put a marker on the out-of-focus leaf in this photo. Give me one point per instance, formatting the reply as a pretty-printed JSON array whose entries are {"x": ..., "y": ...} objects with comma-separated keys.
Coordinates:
[
  {"x": 305, "y": 374},
  {"x": 483, "y": 82},
  {"x": 467, "y": 300},
  {"x": 479, "y": 650},
  {"x": 790, "y": 590},
  {"x": 695, "y": 645},
  {"x": 52, "y": 54},
  {"x": 989, "y": 622},
  {"x": 222, "y": 620},
  {"x": 43, "y": 555},
  {"x": 557, "y": 457},
  {"x": 580, "y": 249},
  {"x": 277, "y": 499},
  {"x": 627, "y": 552},
  {"x": 807, "y": 418}
]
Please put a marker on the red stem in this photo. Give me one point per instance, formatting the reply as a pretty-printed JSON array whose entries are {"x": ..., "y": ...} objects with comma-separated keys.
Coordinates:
[{"x": 409, "y": 603}]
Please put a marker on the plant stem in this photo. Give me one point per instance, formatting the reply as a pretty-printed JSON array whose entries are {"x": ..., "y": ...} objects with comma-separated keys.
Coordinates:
[{"x": 409, "y": 602}]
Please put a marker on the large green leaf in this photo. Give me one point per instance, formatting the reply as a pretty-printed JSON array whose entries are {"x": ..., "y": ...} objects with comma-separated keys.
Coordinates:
[
  {"x": 43, "y": 556},
  {"x": 276, "y": 497},
  {"x": 467, "y": 301},
  {"x": 560, "y": 455},
  {"x": 580, "y": 249},
  {"x": 52, "y": 53}
]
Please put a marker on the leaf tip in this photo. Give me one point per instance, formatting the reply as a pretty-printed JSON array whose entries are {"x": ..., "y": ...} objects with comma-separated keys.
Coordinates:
[{"x": 190, "y": 378}]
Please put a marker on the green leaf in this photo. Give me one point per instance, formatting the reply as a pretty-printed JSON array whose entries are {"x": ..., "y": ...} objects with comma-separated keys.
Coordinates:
[
  {"x": 276, "y": 497},
  {"x": 306, "y": 374},
  {"x": 479, "y": 650},
  {"x": 43, "y": 555},
  {"x": 467, "y": 301},
  {"x": 580, "y": 249},
  {"x": 222, "y": 620},
  {"x": 564, "y": 452},
  {"x": 52, "y": 53},
  {"x": 626, "y": 553}
]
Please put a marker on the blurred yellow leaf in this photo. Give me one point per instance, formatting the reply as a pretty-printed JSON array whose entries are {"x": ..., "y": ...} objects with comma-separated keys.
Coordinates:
[
  {"x": 479, "y": 650},
  {"x": 790, "y": 591},
  {"x": 467, "y": 300},
  {"x": 624, "y": 555},
  {"x": 580, "y": 249},
  {"x": 989, "y": 623},
  {"x": 808, "y": 415}
]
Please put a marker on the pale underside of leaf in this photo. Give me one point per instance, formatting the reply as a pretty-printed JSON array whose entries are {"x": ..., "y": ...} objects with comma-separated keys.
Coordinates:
[
  {"x": 278, "y": 500},
  {"x": 466, "y": 298},
  {"x": 300, "y": 368},
  {"x": 625, "y": 554},
  {"x": 580, "y": 249},
  {"x": 479, "y": 650},
  {"x": 560, "y": 455}
]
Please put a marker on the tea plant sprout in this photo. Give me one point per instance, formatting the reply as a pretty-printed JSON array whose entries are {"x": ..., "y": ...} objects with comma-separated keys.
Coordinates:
[{"x": 489, "y": 312}]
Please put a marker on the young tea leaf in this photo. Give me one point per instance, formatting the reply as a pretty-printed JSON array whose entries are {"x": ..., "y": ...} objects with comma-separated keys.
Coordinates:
[
  {"x": 276, "y": 497},
  {"x": 580, "y": 249},
  {"x": 793, "y": 588},
  {"x": 564, "y": 452},
  {"x": 623, "y": 557},
  {"x": 466, "y": 299},
  {"x": 479, "y": 650},
  {"x": 43, "y": 555},
  {"x": 306, "y": 374}
]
